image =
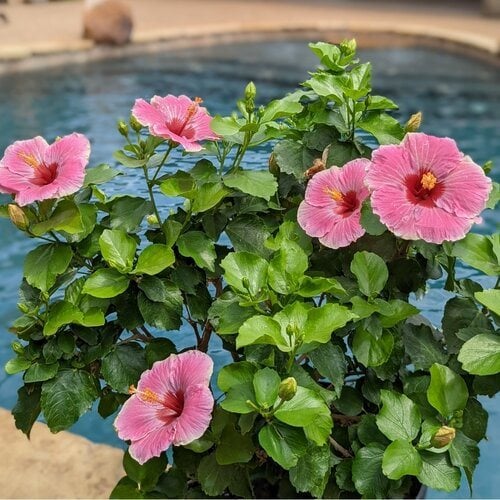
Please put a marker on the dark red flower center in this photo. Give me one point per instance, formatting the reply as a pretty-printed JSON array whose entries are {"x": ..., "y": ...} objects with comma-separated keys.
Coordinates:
[
  {"x": 346, "y": 203},
  {"x": 181, "y": 126},
  {"x": 44, "y": 174},
  {"x": 423, "y": 189}
]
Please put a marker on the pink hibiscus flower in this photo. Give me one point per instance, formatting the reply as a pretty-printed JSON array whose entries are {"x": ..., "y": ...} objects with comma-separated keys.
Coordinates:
[
  {"x": 176, "y": 118},
  {"x": 171, "y": 405},
  {"x": 425, "y": 188},
  {"x": 331, "y": 209},
  {"x": 33, "y": 170}
]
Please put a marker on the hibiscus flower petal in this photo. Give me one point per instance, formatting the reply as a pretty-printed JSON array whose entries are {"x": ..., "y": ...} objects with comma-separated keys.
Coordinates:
[
  {"x": 429, "y": 153},
  {"x": 146, "y": 114},
  {"x": 196, "y": 415},
  {"x": 152, "y": 444},
  {"x": 466, "y": 190},
  {"x": 137, "y": 418},
  {"x": 316, "y": 221},
  {"x": 319, "y": 188},
  {"x": 21, "y": 156},
  {"x": 436, "y": 225},
  {"x": 36, "y": 193},
  {"x": 396, "y": 211},
  {"x": 352, "y": 177},
  {"x": 390, "y": 166},
  {"x": 345, "y": 231}
]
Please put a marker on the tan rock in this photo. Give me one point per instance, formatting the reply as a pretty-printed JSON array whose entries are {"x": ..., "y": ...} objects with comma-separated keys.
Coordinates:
[
  {"x": 59, "y": 465},
  {"x": 108, "y": 22}
]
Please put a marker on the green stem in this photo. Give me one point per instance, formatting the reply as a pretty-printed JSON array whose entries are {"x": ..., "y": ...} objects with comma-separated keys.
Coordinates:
[
  {"x": 152, "y": 198},
  {"x": 162, "y": 163}
]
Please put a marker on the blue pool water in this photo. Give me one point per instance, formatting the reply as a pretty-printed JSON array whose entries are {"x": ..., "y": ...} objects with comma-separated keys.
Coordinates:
[{"x": 458, "y": 96}]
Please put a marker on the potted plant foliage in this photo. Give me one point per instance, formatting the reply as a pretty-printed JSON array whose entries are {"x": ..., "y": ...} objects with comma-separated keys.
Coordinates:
[{"x": 333, "y": 383}]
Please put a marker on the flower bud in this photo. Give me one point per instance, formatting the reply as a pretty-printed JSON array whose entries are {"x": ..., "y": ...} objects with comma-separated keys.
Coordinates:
[
  {"x": 250, "y": 91},
  {"x": 17, "y": 347},
  {"x": 273, "y": 165},
  {"x": 413, "y": 124},
  {"x": 136, "y": 126},
  {"x": 18, "y": 217},
  {"x": 122, "y": 128},
  {"x": 348, "y": 46},
  {"x": 287, "y": 389},
  {"x": 246, "y": 282},
  {"x": 152, "y": 219},
  {"x": 445, "y": 435}
]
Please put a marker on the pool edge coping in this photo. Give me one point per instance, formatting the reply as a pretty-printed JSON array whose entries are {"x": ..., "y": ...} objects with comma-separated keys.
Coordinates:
[{"x": 47, "y": 54}]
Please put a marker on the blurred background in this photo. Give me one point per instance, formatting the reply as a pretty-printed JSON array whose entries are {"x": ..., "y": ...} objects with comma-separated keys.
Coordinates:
[{"x": 72, "y": 65}]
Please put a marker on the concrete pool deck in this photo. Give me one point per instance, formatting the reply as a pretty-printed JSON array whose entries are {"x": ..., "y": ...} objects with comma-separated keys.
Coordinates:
[{"x": 38, "y": 35}]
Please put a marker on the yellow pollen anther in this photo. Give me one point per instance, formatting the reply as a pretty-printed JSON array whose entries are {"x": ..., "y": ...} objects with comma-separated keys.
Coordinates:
[
  {"x": 193, "y": 107},
  {"x": 428, "y": 181},
  {"x": 29, "y": 159},
  {"x": 148, "y": 396},
  {"x": 334, "y": 194}
]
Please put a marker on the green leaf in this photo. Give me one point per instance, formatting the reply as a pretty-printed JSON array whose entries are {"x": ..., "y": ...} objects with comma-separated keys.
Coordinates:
[
  {"x": 214, "y": 478},
  {"x": 118, "y": 249},
  {"x": 40, "y": 372},
  {"x": 237, "y": 397},
  {"x": 302, "y": 409},
  {"x": 43, "y": 264},
  {"x": 248, "y": 233},
  {"x": 438, "y": 473},
  {"x": 245, "y": 272},
  {"x": 199, "y": 247},
  {"x": 331, "y": 363},
  {"x": 27, "y": 408},
  {"x": 478, "y": 252},
  {"x": 475, "y": 420},
  {"x": 370, "y": 221},
  {"x": 233, "y": 447},
  {"x": 154, "y": 259},
  {"x": 401, "y": 459},
  {"x": 464, "y": 452},
  {"x": 370, "y": 271},
  {"x": 312, "y": 471},
  {"x": 382, "y": 126},
  {"x": 17, "y": 365},
  {"x": 105, "y": 283},
  {"x": 447, "y": 391},
  {"x": 372, "y": 351},
  {"x": 128, "y": 161},
  {"x": 367, "y": 472},
  {"x": 313, "y": 287},
  {"x": 127, "y": 212},
  {"x": 165, "y": 315},
  {"x": 280, "y": 108},
  {"x": 226, "y": 315},
  {"x": 322, "y": 321},
  {"x": 66, "y": 217},
  {"x": 225, "y": 126},
  {"x": 262, "y": 330},
  {"x": 399, "y": 417},
  {"x": 285, "y": 445},
  {"x": 235, "y": 374},
  {"x": 260, "y": 183},
  {"x": 61, "y": 313},
  {"x": 179, "y": 184},
  {"x": 208, "y": 196},
  {"x": 67, "y": 397},
  {"x": 293, "y": 158},
  {"x": 126, "y": 488},
  {"x": 287, "y": 268},
  {"x": 490, "y": 299},
  {"x": 481, "y": 354},
  {"x": 350, "y": 401},
  {"x": 146, "y": 476},
  {"x": 99, "y": 175},
  {"x": 424, "y": 350},
  {"x": 266, "y": 383},
  {"x": 157, "y": 350},
  {"x": 123, "y": 366}
]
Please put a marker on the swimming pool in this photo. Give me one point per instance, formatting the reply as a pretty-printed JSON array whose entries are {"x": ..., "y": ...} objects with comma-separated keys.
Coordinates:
[{"x": 459, "y": 97}]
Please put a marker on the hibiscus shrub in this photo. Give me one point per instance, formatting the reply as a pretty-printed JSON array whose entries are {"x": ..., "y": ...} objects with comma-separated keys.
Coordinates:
[{"x": 330, "y": 382}]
